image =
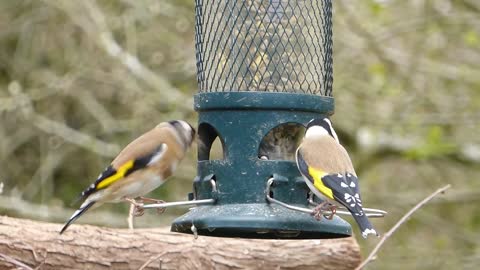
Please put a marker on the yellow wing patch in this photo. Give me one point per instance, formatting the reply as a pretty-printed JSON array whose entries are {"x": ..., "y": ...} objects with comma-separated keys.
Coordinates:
[
  {"x": 118, "y": 175},
  {"x": 318, "y": 183}
]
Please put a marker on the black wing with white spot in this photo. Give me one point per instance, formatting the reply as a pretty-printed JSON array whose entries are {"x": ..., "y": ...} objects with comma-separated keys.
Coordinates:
[{"x": 347, "y": 192}]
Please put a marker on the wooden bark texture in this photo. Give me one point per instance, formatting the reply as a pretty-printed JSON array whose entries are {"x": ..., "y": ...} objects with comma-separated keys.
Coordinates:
[{"x": 39, "y": 246}]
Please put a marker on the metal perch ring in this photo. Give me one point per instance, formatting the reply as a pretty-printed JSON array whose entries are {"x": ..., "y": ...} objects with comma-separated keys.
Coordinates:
[
  {"x": 181, "y": 203},
  {"x": 369, "y": 212}
]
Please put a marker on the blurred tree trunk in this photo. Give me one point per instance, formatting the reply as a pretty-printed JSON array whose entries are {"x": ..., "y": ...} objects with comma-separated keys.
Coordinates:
[{"x": 87, "y": 247}]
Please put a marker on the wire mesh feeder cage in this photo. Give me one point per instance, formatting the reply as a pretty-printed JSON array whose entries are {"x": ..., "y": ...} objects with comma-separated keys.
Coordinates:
[
  {"x": 264, "y": 70},
  {"x": 267, "y": 46}
]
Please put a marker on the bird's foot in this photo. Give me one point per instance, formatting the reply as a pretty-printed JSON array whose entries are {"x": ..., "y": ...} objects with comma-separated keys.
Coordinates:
[
  {"x": 333, "y": 211},
  {"x": 318, "y": 211},
  {"x": 138, "y": 209},
  {"x": 160, "y": 210}
]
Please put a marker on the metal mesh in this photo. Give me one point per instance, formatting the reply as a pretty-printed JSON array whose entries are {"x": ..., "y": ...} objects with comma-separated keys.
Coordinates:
[{"x": 264, "y": 45}]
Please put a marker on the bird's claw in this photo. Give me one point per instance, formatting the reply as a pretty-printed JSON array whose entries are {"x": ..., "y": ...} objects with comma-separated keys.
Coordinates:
[
  {"x": 138, "y": 210},
  {"x": 317, "y": 215},
  {"x": 160, "y": 210},
  {"x": 333, "y": 211},
  {"x": 138, "y": 204},
  {"x": 318, "y": 211}
]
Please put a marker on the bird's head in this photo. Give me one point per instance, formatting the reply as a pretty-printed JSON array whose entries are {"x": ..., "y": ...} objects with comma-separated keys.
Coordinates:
[
  {"x": 185, "y": 131},
  {"x": 319, "y": 127}
]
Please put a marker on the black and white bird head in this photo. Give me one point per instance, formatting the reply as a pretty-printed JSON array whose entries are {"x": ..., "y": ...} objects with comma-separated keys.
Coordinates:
[
  {"x": 319, "y": 127},
  {"x": 185, "y": 131}
]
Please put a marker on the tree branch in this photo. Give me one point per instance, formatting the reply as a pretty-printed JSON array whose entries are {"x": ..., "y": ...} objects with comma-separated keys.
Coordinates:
[
  {"x": 95, "y": 26},
  {"x": 15, "y": 262},
  {"x": 398, "y": 224},
  {"x": 89, "y": 247},
  {"x": 53, "y": 127}
]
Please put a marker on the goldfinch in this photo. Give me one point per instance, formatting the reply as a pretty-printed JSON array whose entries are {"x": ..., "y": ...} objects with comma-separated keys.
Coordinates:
[
  {"x": 142, "y": 166},
  {"x": 328, "y": 171}
]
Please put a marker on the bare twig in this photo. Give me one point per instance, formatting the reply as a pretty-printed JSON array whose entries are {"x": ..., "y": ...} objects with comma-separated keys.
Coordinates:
[
  {"x": 15, "y": 262},
  {"x": 151, "y": 260},
  {"x": 90, "y": 18},
  {"x": 43, "y": 175},
  {"x": 75, "y": 137},
  {"x": 53, "y": 127},
  {"x": 97, "y": 28},
  {"x": 10, "y": 143},
  {"x": 397, "y": 225},
  {"x": 98, "y": 111},
  {"x": 154, "y": 258}
]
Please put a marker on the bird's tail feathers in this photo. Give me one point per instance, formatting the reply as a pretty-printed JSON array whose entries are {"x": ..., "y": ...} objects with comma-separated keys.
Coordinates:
[
  {"x": 77, "y": 214},
  {"x": 364, "y": 224}
]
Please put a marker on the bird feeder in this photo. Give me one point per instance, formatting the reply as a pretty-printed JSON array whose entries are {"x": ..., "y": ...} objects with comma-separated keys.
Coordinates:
[{"x": 264, "y": 70}]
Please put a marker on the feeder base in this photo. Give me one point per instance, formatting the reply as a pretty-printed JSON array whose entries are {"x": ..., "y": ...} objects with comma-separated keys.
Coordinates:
[{"x": 258, "y": 220}]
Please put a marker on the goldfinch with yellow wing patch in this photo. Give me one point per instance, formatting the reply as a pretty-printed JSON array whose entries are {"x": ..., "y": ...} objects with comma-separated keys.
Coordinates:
[
  {"x": 142, "y": 166},
  {"x": 328, "y": 171}
]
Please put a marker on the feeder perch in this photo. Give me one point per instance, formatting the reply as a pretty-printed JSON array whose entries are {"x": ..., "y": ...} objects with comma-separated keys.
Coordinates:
[{"x": 264, "y": 70}]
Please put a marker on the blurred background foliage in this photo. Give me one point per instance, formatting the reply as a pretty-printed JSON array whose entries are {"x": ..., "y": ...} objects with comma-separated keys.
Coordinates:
[{"x": 80, "y": 79}]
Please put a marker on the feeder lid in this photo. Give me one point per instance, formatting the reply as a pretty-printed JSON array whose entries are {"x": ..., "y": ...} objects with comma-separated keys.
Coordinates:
[{"x": 263, "y": 101}]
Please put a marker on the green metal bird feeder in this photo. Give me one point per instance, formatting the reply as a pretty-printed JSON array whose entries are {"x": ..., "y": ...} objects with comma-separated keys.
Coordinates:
[{"x": 264, "y": 70}]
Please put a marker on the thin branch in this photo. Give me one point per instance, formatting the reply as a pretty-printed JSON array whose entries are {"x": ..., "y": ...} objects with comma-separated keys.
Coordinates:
[
  {"x": 44, "y": 173},
  {"x": 53, "y": 127},
  {"x": 75, "y": 137},
  {"x": 398, "y": 224},
  {"x": 98, "y": 111},
  {"x": 90, "y": 18},
  {"x": 10, "y": 143},
  {"x": 15, "y": 262},
  {"x": 105, "y": 40},
  {"x": 152, "y": 259},
  {"x": 158, "y": 256}
]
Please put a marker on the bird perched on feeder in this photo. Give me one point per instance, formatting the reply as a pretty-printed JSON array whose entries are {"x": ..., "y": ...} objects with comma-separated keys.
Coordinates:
[
  {"x": 328, "y": 171},
  {"x": 142, "y": 166}
]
